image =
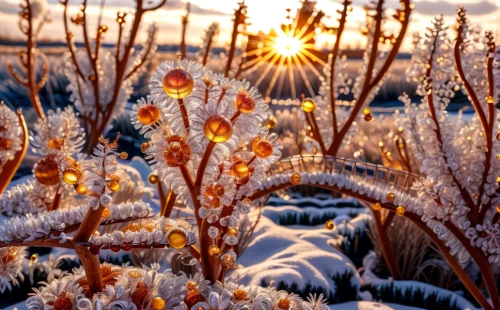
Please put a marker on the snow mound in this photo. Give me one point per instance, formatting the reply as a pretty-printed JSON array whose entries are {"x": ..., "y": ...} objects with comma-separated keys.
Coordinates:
[{"x": 368, "y": 305}]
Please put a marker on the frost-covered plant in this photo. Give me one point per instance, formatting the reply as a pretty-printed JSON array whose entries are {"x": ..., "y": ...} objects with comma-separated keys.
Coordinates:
[
  {"x": 101, "y": 79},
  {"x": 458, "y": 198},
  {"x": 13, "y": 143},
  {"x": 209, "y": 148},
  {"x": 208, "y": 40},
  {"x": 331, "y": 120},
  {"x": 33, "y": 16}
]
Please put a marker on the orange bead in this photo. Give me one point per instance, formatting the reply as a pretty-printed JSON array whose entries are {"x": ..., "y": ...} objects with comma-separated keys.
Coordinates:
[
  {"x": 158, "y": 303},
  {"x": 81, "y": 189},
  {"x": 244, "y": 103},
  {"x": 144, "y": 147},
  {"x": 72, "y": 176},
  {"x": 148, "y": 114},
  {"x": 262, "y": 148},
  {"x": 232, "y": 231},
  {"x": 47, "y": 171},
  {"x": 113, "y": 186},
  {"x": 240, "y": 170},
  {"x": 5, "y": 144},
  {"x": 400, "y": 210},
  {"x": 213, "y": 250},
  {"x": 329, "y": 225},
  {"x": 56, "y": 143},
  {"x": 295, "y": 178},
  {"x": 390, "y": 197},
  {"x": 376, "y": 206},
  {"x": 218, "y": 129},
  {"x": 153, "y": 179},
  {"x": 177, "y": 239},
  {"x": 368, "y": 117},
  {"x": 106, "y": 213},
  {"x": 178, "y": 83},
  {"x": 123, "y": 155},
  {"x": 270, "y": 122}
]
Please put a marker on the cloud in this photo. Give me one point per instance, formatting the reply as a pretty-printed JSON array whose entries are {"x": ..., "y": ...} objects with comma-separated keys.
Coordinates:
[{"x": 442, "y": 7}]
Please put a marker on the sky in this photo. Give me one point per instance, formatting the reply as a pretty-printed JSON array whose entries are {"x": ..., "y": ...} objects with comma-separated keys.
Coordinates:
[{"x": 263, "y": 15}]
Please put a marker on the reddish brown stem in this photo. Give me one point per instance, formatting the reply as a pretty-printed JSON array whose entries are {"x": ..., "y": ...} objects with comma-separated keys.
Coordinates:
[{"x": 386, "y": 247}]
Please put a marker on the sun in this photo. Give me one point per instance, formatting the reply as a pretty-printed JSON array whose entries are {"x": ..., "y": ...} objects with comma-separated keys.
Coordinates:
[{"x": 288, "y": 45}]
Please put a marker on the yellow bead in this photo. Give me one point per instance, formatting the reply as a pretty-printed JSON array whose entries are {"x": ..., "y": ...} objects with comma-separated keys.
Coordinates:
[
  {"x": 158, "y": 303},
  {"x": 476, "y": 196},
  {"x": 178, "y": 83},
  {"x": 295, "y": 178},
  {"x": 262, "y": 148},
  {"x": 144, "y": 147},
  {"x": 213, "y": 250},
  {"x": 232, "y": 231},
  {"x": 366, "y": 111},
  {"x": 308, "y": 105},
  {"x": 240, "y": 169},
  {"x": 33, "y": 259},
  {"x": 376, "y": 206},
  {"x": 123, "y": 155},
  {"x": 218, "y": 128},
  {"x": 498, "y": 209},
  {"x": 134, "y": 274},
  {"x": 270, "y": 122},
  {"x": 244, "y": 103},
  {"x": 153, "y": 179},
  {"x": 72, "y": 176},
  {"x": 400, "y": 210},
  {"x": 498, "y": 179},
  {"x": 329, "y": 225},
  {"x": 390, "y": 197},
  {"x": 56, "y": 143},
  {"x": 177, "y": 238},
  {"x": 148, "y": 114},
  {"x": 106, "y": 213},
  {"x": 113, "y": 186},
  {"x": 81, "y": 189},
  {"x": 490, "y": 100}
]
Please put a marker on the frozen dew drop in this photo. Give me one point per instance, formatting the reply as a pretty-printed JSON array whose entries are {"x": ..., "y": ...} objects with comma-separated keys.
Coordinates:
[
  {"x": 178, "y": 83},
  {"x": 218, "y": 129}
]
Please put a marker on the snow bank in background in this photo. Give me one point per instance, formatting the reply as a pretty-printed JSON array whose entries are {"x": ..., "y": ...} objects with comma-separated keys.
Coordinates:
[
  {"x": 298, "y": 257},
  {"x": 368, "y": 305}
]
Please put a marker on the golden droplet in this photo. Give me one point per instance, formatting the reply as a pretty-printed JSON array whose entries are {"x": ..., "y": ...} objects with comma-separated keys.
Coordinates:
[
  {"x": 153, "y": 179},
  {"x": 106, "y": 213},
  {"x": 227, "y": 260},
  {"x": 218, "y": 128},
  {"x": 232, "y": 231},
  {"x": 476, "y": 196},
  {"x": 308, "y": 105},
  {"x": 81, "y": 189},
  {"x": 244, "y": 103},
  {"x": 490, "y": 100},
  {"x": 498, "y": 156},
  {"x": 240, "y": 169},
  {"x": 498, "y": 179},
  {"x": 144, "y": 147},
  {"x": 134, "y": 274},
  {"x": 469, "y": 138},
  {"x": 213, "y": 250},
  {"x": 262, "y": 148},
  {"x": 178, "y": 83},
  {"x": 72, "y": 176},
  {"x": 376, "y": 206},
  {"x": 148, "y": 114},
  {"x": 366, "y": 111},
  {"x": 47, "y": 171},
  {"x": 295, "y": 178},
  {"x": 498, "y": 209},
  {"x": 158, "y": 303},
  {"x": 113, "y": 186},
  {"x": 270, "y": 122},
  {"x": 400, "y": 129},
  {"x": 123, "y": 155},
  {"x": 390, "y": 197},
  {"x": 329, "y": 225},
  {"x": 498, "y": 136},
  {"x": 33, "y": 259},
  {"x": 96, "y": 233},
  {"x": 400, "y": 210},
  {"x": 56, "y": 143},
  {"x": 388, "y": 154},
  {"x": 177, "y": 238}
]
